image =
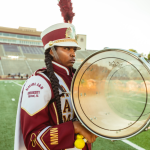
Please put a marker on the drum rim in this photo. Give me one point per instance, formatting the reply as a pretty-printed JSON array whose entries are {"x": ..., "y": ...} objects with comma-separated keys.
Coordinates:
[{"x": 136, "y": 56}]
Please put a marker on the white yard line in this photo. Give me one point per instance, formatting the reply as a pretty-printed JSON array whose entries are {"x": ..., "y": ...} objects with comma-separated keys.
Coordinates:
[
  {"x": 133, "y": 145},
  {"x": 1, "y": 68},
  {"x": 124, "y": 99},
  {"x": 134, "y": 101},
  {"x": 17, "y": 83}
]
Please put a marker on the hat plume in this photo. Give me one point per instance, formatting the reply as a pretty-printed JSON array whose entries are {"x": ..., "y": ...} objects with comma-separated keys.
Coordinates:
[{"x": 66, "y": 10}]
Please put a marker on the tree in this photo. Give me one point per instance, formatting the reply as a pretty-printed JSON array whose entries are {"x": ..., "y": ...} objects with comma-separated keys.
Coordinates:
[
  {"x": 148, "y": 56},
  {"x": 133, "y": 50}
]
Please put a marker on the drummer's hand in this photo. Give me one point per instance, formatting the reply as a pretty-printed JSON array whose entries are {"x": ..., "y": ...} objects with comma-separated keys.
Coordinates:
[{"x": 79, "y": 129}]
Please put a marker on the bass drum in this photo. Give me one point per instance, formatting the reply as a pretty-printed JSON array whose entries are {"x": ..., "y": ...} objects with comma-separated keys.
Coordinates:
[{"x": 111, "y": 93}]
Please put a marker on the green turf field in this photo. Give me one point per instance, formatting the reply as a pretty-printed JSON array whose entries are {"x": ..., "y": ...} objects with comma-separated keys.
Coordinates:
[{"x": 9, "y": 95}]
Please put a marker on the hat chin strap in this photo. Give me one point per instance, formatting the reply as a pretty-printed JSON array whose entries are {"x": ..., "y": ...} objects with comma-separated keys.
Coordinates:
[{"x": 55, "y": 54}]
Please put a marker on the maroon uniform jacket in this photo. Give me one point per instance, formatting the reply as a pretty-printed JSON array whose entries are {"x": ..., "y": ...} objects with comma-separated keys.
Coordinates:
[{"x": 39, "y": 121}]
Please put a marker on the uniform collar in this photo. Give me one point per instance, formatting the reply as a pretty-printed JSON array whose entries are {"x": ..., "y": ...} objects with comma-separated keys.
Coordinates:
[{"x": 60, "y": 68}]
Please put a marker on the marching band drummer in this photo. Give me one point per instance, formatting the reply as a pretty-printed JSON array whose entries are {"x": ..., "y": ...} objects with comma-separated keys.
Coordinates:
[{"x": 45, "y": 116}]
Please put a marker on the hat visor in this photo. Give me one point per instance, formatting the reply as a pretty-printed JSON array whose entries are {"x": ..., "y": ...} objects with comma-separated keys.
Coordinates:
[{"x": 69, "y": 44}]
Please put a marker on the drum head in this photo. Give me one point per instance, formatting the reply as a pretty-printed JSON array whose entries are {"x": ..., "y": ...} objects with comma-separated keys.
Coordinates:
[{"x": 110, "y": 93}]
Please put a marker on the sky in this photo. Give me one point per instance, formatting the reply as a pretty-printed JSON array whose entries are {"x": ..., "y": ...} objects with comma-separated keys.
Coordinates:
[{"x": 123, "y": 24}]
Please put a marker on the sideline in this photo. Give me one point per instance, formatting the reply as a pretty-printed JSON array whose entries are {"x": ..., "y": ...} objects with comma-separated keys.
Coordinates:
[
  {"x": 133, "y": 145},
  {"x": 125, "y": 141},
  {"x": 129, "y": 99},
  {"x": 17, "y": 83},
  {"x": 136, "y": 101}
]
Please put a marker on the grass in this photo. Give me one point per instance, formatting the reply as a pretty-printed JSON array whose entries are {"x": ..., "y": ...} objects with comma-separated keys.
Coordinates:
[
  {"x": 142, "y": 139},
  {"x": 103, "y": 144},
  {"x": 8, "y": 109},
  {"x": 126, "y": 104}
]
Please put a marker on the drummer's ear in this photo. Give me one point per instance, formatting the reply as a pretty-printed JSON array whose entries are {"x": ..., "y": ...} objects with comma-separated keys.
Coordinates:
[{"x": 51, "y": 53}]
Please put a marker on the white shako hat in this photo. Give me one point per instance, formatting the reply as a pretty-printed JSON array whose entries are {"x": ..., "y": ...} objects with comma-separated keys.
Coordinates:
[{"x": 62, "y": 34}]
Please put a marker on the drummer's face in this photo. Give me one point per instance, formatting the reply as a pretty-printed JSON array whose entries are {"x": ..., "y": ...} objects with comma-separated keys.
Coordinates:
[{"x": 66, "y": 55}]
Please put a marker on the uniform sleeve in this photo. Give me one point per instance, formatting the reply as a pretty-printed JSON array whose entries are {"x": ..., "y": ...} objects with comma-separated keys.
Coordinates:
[
  {"x": 38, "y": 133},
  {"x": 57, "y": 137}
]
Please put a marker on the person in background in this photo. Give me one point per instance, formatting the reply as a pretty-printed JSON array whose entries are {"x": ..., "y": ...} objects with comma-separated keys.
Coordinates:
[
  {"x": 27, "y": 76},
  {"x": 19, "y": 74}
]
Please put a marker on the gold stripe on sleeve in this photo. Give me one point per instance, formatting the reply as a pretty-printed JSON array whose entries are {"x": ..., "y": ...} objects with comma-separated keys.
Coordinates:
[
  {"x": 42, "y": 138},
  {"x": 56, "y": 114}
]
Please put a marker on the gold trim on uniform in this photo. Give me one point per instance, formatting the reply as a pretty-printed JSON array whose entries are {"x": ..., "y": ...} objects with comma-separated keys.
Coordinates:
[
  {"x": 34, "y": 141},
  {"x": 41, "y": 108},
  {"x": 63, "y": 96},
  {"x": 66, "y": 69},
  {"x": 66, "y": 106},
  {"x": 54, "y": 136},
  {"x": 35, "y": 112},
  {"x": 68, "y": 119},
  {"x": 51, "y": 43},
  {"x": 39, "y": 145},
  {"x": 56, "y": 114},
  {"x": 42, "y": 138},
  {"x": 65, "y": 91},
  {"x": 72, "y": 111},
  {"x": 41, "y": 73}
]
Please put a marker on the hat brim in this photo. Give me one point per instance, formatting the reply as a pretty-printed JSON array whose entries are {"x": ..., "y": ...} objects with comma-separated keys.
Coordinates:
[{"x": 69, "y": 44}]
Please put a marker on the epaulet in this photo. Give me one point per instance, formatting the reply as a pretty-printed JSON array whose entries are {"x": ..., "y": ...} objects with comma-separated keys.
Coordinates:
[{"x": 38, "y": 71}]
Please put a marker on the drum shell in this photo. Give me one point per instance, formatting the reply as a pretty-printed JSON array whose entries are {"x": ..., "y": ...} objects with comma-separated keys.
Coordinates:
[{"x": 96, "y": 110}]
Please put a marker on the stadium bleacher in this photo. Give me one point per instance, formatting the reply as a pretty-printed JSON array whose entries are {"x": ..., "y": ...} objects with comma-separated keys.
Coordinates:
[
  {"x": 16, "y": 50},
  {"x": 0, "y": 68},
  {"x": 30, "y": 58},
  {"x": 42, "y": 49},
  {"x": 82, "y": 55},
  {"x": 31, "y": 50},
  {"x": 11, "y": 50},
  {"x": 1, "y": 51},
  {"x": 35, "y": 65},
  {"x": 22, "y": 64},
  {"x": 14, "y": 67},
  {"x": 33, "y": 56}
]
